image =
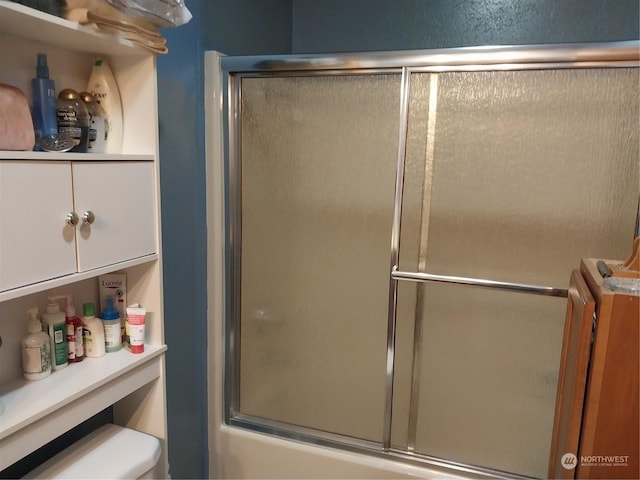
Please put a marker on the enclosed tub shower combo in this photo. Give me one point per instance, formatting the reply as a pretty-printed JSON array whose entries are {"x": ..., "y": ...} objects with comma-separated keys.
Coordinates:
[{"x": 392, "y": 237}]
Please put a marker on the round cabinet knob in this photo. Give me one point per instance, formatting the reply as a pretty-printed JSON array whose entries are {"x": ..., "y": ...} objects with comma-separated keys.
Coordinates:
[
  {"x": 72, "y": 219},
  {"x": 88, "y": 217}
]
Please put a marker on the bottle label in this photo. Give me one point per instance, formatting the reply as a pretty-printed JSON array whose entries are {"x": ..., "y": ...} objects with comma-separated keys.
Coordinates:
[
  {"x": 59, "y": 345},
  {"x": 36, "y": 359},
  {"x": 87, "y": 342},
  {"x": 71, "y": 342},
  {"x": 112, "y": 337},
  {"x": 73, "y": 126},
  {"x": 97, "y": 135},
  {"x": 79, "y": 348}
]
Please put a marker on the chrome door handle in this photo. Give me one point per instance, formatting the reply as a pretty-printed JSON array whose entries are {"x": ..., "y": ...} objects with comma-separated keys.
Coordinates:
[
  {"x": 479, "y": 282},
  {"x": 72, "y": 219},
  {"x": 88, "y": 217}
]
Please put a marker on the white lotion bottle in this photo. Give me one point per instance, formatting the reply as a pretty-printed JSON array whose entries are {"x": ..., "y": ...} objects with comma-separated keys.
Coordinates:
[
  {"x": 104, "y": 88},
  {"x": 36, "y": 350},
  {"x": 92, "y": 332}
]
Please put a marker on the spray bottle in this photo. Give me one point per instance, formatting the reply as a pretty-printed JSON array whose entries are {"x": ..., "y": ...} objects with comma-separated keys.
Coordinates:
[
  {"x": 36, "y": 356},
  {"x": 74, "y": 332},
  {"x": 43, "y": 92},
  {"x": 56, "y": 327}
]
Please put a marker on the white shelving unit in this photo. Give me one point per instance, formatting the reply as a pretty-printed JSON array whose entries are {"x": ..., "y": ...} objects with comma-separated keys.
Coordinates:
[{"x": 33, "y": 413}]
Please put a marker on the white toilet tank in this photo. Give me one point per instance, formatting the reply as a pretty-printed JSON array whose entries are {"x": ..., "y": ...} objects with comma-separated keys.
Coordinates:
[{"x": 111, "y": 452}]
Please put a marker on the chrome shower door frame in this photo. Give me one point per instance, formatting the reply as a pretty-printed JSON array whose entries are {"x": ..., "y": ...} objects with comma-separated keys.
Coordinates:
[{"x": 503, "y": 58}]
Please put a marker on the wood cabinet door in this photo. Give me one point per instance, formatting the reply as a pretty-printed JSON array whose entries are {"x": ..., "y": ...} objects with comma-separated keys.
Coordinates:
[
  {"x": 121, "y": 197},
  {"x": 36, "y": 243},
  {"x": 572, "y": 379},
  {"x": 610, "y": 441}
]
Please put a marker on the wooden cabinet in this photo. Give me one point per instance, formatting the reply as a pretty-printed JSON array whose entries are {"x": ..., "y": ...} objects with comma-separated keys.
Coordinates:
[
  {"x": 596, "y": 428},
  {"x": 42, "y": 255},
  {"x": 41, "y": 201}
]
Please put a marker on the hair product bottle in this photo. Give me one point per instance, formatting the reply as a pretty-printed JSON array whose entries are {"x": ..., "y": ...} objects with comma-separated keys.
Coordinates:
[
  {"x": 43, "y": 91},
  {"x": 104, "y": 88},
  {"x": 73, "y": 119},
  {"x": 97, "y": 132}
]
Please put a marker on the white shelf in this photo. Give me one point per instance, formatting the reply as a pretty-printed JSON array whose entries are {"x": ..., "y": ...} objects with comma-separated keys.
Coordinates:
[
  {"x": 31, "y": 24},
  {"x": 74, "y": 157},
  {"x": 33, "y": 413},
  {"x": 74, "y": 277}
]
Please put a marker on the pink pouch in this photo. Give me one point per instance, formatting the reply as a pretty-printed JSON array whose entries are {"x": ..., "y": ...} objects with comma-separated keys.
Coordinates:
[{"x": 16, "y": 126}]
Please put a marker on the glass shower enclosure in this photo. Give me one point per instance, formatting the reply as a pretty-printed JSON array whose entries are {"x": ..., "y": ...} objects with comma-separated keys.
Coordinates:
[{"x": 401, "y": 231}]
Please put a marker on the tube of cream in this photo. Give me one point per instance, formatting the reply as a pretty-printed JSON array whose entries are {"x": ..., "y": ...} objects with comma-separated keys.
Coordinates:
[{"x": 136, "y": 318}]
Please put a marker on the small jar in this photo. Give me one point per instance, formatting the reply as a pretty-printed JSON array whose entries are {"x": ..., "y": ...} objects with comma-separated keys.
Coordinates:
[{"x": 73, "y": 119}]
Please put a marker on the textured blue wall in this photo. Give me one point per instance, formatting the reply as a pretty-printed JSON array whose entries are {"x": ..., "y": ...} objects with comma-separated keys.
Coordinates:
[
  {"x": 234, "y": 27},
  {"x": 360, "y": 25},
  {"x": 239, "y": 27},
  {"x": 247, "y": 27},
  {"x": 183, "y": 208}
]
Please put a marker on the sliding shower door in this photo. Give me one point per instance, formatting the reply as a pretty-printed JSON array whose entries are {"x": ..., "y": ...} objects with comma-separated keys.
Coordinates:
[
  {"x": 400, "y": 240},
  {"x": 316, "y": 194},
  {"x": 515, "y": 177}
]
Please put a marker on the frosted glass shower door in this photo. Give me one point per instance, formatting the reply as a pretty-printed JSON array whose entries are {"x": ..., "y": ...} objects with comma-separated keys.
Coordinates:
[
  {"x": 525, "y": 172},
  {"x": 318, "y": 161}
]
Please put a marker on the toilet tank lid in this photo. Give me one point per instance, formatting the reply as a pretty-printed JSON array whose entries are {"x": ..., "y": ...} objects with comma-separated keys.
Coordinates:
[{"x": 109, "y": 452}]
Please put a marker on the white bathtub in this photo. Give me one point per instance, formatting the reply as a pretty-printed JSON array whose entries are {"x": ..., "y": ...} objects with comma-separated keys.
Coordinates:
[{"x": 236, "y": 453}]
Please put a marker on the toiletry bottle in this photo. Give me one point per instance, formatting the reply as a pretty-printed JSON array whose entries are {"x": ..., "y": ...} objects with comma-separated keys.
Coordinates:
[
  {"x": 97, "y": 133},
  {"x": 111, "y": 321},
  {"x": 136, "y": 318},
  {"x": 93, "y": 332},
  {"x": 56, "y": 328},
  {"x": 36, "y": 349},
  {"x": 73, "y": 119},
  {"x": 104, "y": 88},
  {"x": 74, "y": 332},
  {"x": 115, "y": 284},
  {"x": 43, "y": 91}
]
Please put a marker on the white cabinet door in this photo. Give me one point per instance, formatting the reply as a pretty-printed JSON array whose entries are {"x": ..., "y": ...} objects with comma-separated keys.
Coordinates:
[
  {"x": 36, "y": 244},
  {"x": 121, "y": 196}
]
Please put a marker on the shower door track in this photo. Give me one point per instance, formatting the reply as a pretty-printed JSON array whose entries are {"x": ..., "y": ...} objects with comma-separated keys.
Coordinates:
[{"x": 500, "y": 58}]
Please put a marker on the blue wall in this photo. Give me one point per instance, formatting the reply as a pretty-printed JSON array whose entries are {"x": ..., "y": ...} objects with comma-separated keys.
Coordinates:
[
  {"x": 233, "y": 27},
  {"x": 361, "y": 25},
  {"x": 244, "y": 27},
  {"x": 184, "y": 246}
]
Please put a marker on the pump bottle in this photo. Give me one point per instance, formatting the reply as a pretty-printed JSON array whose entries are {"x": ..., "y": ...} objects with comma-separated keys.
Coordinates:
[
  {"x": 56, "y": 327},
  {"x": 36, "y": 349}
]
